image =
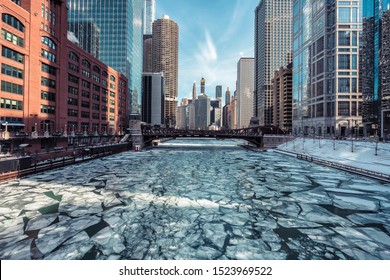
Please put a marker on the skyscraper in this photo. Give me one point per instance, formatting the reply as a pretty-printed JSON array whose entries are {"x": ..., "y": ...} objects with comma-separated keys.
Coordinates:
[
  {"x": 227, "y": 96},
  {"x": 194, "y": 92},
  {"x": 273, "y": 45},
  {"x": 149, "y": 16},
  {"x": 245, "y": 84},
  {"x": 218, "y": 92},
  {"x": 121, "y": 36},
  {"x": 202, "y": 86},
  {"x": 165, "y": 59},
  {"x": 372, "y": 62},
  {"x": 88, "y": 36},
  {"x": 326, "y": 97},
  {"x": 153, "y": 98}
]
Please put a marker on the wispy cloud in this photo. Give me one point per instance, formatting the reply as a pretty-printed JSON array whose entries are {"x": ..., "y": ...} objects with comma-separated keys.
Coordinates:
[{"x": 207, "y": 51}]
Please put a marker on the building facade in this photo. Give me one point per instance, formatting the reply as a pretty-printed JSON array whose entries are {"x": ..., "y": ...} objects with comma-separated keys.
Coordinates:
[
  {"x": 152, "y": 106},
  {"x": 273, "y": 45},
  {"x": 49, "y": 84},
  {"x": 282, "y": 98},
  {"x": 88, "y": 36},
  {"x": 245, "y": 87},
  {"x": 218, "y": 92},
  {"x": 165, "y": 47},
  {"x": 202, "y": 112},
  {"x": 149, "y": 16},
  {"x": 121, "y": 36},
  {"x": 326, "y": 94}
]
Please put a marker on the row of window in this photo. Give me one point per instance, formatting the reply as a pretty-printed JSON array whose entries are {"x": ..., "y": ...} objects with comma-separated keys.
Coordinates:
[
  {"x": 11, "y": 87},
  {"x": 11, "y": 54},
  {"x": 48, "y": 82},
  {"x": 48, "y": 14},
  {"x": 11, "y": 71},
  {"x": 11, "y": 104},
  {"x": 48, "y": 55},
  {"x": 48, "y": 42},
  {"x": 49, "y": 69},
  {"x": 10, "y": 37},
  {"x": 85, "y": 114},
  {"x": 48, "y": 96},
  {"x": 12, "y": 21},
  {"x": 48, "y": 109}
]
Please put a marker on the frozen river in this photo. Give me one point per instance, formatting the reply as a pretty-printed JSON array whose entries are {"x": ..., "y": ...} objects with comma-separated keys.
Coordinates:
[{"x": 195, "y": 199}]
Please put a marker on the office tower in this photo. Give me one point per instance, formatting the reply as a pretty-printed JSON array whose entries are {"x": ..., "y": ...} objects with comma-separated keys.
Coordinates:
[
  {"x": 202, "y": 86},
  {"x": 218, "y": 92},
  {"x": 227, "y": 96},
  {"x": 149, "y": 16},
  {"x": 245, "y": 84},
  {"x": 194, "y": 92},
  {"x": 216, "y": 112},
  {"x": 273, "y": 44},
  {"x": 202, "y": 112},
  {"x": 49, "y": 84},
  {"x": 326, "y": 97},
  {"x": 148, "y": 54},
  {"x": 376, "y": 119},
  {"x": 232, "y": 118},
  {"x": 121, "y": 36},
  {"x": 153, "y": 98},
  {"x": 282, "y": 91},
  {"x": 88, "y": 36},
  {"x": 165, "y": 59}
]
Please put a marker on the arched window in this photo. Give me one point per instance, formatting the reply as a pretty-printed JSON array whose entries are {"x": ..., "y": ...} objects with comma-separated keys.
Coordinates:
[
  {"x": 13, "y": 21},
  {"x": 86, "y": 63},
  {"x": 105, "y": 74},
  {"x": 96, "y": 69},
  {"x": 73, "y": 56},
  {"x": 48, "y": 42},
  {"x": 112, "y": 78}
]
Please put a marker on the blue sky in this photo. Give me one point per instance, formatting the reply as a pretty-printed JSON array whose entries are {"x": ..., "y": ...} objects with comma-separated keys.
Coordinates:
[{"x": 213, "y": 35}]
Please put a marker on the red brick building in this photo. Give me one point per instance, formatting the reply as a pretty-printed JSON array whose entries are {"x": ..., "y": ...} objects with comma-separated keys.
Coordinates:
[{"x": 50, "y": 84}]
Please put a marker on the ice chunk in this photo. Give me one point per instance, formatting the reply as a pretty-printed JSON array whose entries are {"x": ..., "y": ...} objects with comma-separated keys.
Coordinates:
[
  {"x": 358, "y": 254},
  {"x": 377, "y": 235},
  {"x": 297, "y": 223},
  {"x": 69, "y": 252},
  {"x": 41, "y": 222},
  {"x": 207, "y": 253},
  {"x": 215, "y": 233},
  {"x": 355, "y": 203},
  {"x": 17, "y": 251},
  {"x": 103, "y": 236},
  {"x": 12, "y": 227}
]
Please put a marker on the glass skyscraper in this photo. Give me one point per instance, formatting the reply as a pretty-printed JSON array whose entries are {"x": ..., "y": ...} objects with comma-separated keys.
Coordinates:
[
  {"x": 149, "y": 16},
  {"x": 273, "y": 46},
  {"x": 326, "y": 95},
  {"x": 121, "y": 36},
  {"x": 372, "y": 53}
]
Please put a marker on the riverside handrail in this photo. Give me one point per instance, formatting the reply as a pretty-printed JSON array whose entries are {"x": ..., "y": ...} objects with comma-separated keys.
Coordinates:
[{"x": 377, "y": 175}]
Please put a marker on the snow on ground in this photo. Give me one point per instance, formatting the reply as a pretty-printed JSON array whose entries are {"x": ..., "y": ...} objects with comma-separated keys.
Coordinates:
[{"x": 367, "y": 155}]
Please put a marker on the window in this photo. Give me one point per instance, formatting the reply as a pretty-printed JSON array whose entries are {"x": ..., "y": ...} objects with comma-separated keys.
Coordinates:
[
  {"x": 48, "y": 96},
  {"x": 95, "y": 107},
  {"x": 73, "y": 56},
  {"x": 344, "y": 61},
  {"x": 95, "y": 88},
  {"x": 84, "y": 114},
  {"x": 112, "y": 78},
  {"x": 112, "y": 102},
  {"x": 11, "y": 104},
  {"x": 85, "y": 93},
  {"x": 104, "y": 83},
  {"x": 11, "y": 54},
  {"x": 344, "y": 14},
  {"x": 343, "y": 108},
  {"x": 85, "y": 84},
  {"x": 112, "y": 86},
  {"x": 73, "y": 90},
  {"x": 10, "y": 37},
  {"x": 11, "y": 71},
  {"x": 96, "y": 78},
  {"x": 73, "y": 67},
  {"x": 73, "y": 101},
  {"x": 48, "y": 42},
  {"x": 49, "y": 69},
  {"x": 17, "y": 2},
  {"x": 84, "y": 104},
  {"x": 96, "y": 69},
  {"x": 95, "y": 116},
  {"x": 73, "y": 79},
  {"x": 344, "y": 85},
  {"x": 48, "y": 55},
  {"x": 104, "y": 108},
  {"x": 13, "y": 21},
  {"x": 48, "y": 82},
  {"x": 104, "y": 100},
  {"x": 104, "y": 91},
  {"x": 105, "y": 74},
  {"x": 86, "y": 73},
  {"x": 112, "y": 110},
  {"x": 11, "y": 87},
  {"x": 73, "y": 113},
  {"x": 344, "y": 38},
  {"x": 86, "y": 63},
  {"x": 95, "y": 97},
  {"x": 47, "y": 109}
]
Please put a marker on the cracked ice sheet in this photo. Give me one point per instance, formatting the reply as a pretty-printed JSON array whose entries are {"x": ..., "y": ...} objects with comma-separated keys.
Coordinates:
[
  {"x": 354, "y": 203},
  {"x": 53, "y": 236}
]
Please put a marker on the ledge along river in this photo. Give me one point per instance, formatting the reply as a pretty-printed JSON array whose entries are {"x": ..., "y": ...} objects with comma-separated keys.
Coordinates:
[{"x": 195, "y": 199}]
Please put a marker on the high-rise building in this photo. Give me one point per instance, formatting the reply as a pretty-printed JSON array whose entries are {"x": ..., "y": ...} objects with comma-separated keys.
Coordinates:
[
  {"x": 385, "y": 75},
  {"x": 326, "y": 96},
  {"x": 227, "y": 96},
  {"x": 149, "y": 16},
  {"x": 245, "y": 84},
  {"x": 165, "y": 59},
  {"x": 121, "y": 36},
  {"x": 218, "y": 92},
  {"x": 273, "y": 45},
  {"x": 148, "y": 54},
  {"x": 51, "y": 85},
  {"x": 88, "y": 36},
  {"x": 194, "y": 92},
  {"x": 372, "y": 62},
  {"x": 282, "y": 87},
  {"x": 153, "y": 98},
  {"x": 202, "y": 86},
  {"x": 202, "y": 112}
]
